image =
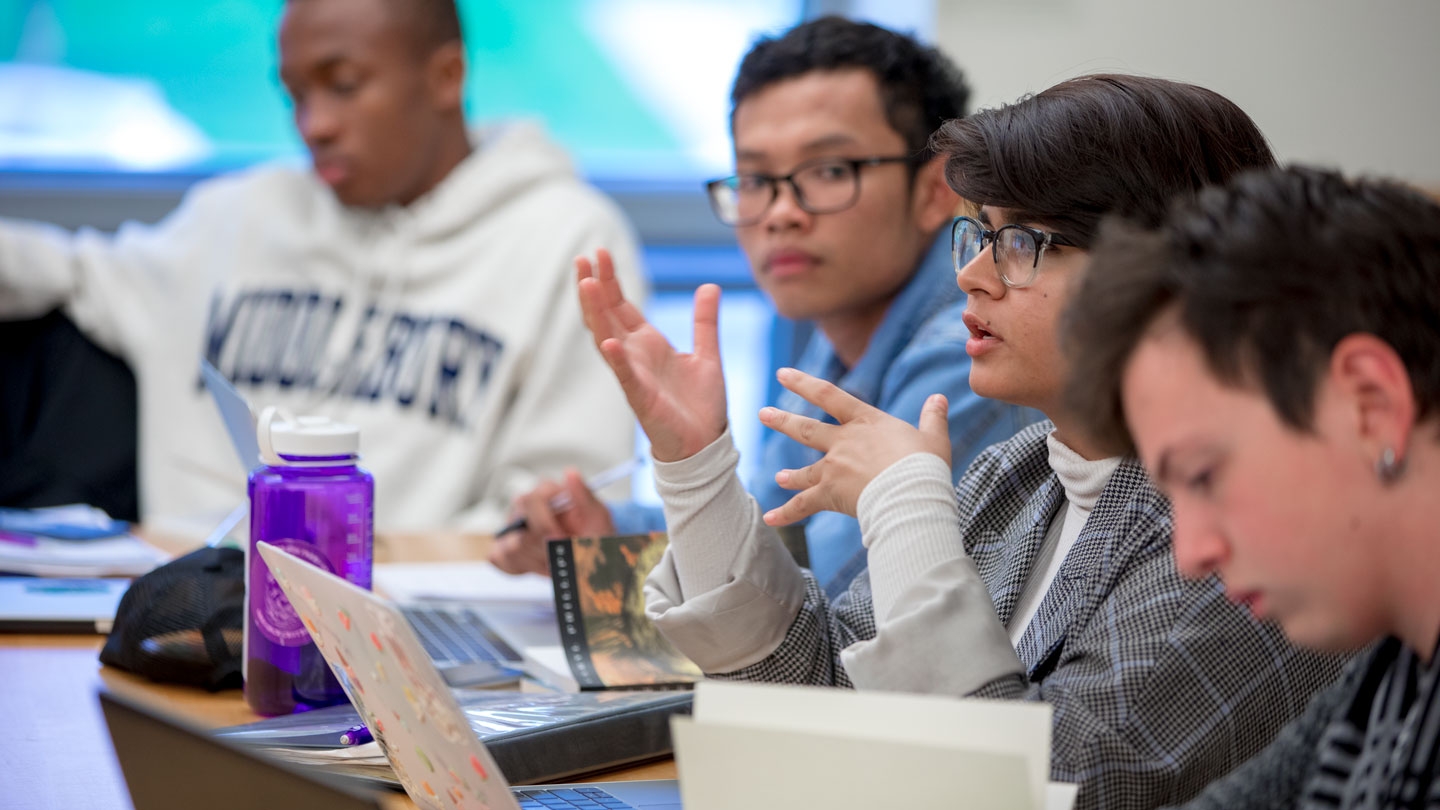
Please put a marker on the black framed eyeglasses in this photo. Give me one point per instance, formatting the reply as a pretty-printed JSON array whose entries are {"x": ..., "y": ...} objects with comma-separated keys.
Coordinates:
[
  {"x": 1016, "y": 249},
  {"x": 821, "y": 186}
]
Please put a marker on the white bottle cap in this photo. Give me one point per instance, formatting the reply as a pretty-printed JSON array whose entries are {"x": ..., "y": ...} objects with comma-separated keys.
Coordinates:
[{"x": 282, "y": 434}]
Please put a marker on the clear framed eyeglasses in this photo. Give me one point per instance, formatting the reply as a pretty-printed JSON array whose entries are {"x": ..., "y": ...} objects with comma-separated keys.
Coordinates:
[{"x": 1016, "y": 249}]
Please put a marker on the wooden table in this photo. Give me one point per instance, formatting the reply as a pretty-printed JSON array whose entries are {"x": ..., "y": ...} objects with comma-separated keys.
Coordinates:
[{"x": 55, "y": 751}]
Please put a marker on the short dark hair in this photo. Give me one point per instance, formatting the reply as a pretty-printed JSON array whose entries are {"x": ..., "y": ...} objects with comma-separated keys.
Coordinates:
[
  {"x": 920, "y": 88},
  {"x": 1266, "y": 275},
  {"x": 432, "y": 23},
  {"x": 435, "y": 22},
  {"x": 1096, "y": 145}
]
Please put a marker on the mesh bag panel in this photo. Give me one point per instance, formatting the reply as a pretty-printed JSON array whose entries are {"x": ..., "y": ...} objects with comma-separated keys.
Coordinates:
[{"x": 182, "y": 622}]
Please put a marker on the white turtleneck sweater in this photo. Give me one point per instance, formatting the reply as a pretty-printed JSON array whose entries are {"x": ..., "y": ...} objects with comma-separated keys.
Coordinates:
[{"x": 1083, "y": 479}]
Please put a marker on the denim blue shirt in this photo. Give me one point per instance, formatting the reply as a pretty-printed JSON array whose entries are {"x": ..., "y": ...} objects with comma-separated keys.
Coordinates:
[{"x": 918, "y": 350}]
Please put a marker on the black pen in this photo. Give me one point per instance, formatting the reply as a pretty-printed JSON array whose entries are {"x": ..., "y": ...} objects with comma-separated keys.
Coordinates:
[{"x": 561, "y": 501}]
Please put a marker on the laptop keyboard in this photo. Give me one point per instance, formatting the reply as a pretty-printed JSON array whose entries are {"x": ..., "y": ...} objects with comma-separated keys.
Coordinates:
[
  {"x": 566, "y": 798},
  {"x": 456, "y": 635}
]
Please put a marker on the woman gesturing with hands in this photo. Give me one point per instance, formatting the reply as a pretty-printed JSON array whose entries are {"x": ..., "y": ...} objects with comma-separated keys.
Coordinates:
[
  {"x": 1045, "y": 573},
  {"x": 678, "y": 398},
  {"x": 863, "y": 444}
]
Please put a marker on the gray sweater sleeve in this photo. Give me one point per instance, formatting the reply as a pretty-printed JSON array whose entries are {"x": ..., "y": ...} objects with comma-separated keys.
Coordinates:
[{"x": 727, "y": 594}]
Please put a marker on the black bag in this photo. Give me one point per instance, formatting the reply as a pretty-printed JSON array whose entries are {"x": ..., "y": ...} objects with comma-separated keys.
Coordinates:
[{"x": 182, "y": 622}]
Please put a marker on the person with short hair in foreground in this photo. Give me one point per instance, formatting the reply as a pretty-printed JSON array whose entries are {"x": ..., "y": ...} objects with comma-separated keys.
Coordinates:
[
  {"x": 1046, "y": 573},
  {"x": 1272, "y": 350}
]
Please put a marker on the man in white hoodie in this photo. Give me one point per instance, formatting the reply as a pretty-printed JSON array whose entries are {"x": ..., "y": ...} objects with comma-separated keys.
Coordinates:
[{"x": 415, "y": 281}]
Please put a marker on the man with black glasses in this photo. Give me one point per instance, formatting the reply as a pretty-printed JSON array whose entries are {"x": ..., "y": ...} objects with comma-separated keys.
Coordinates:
[{"x": 844, "y": 214}]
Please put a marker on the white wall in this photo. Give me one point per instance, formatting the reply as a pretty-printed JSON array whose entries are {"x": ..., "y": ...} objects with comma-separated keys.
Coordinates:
[{"x": 1347, "y": 83}]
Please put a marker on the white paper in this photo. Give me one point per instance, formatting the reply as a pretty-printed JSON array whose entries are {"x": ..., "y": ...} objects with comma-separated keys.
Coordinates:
[
  {"x": 1011, "y": 728},
  {"x": 549, "y": 665},
  {"x": 1060, "y": 795},
  {"x": 470, "y": 581},
  {"x": 725, "y": 766}
]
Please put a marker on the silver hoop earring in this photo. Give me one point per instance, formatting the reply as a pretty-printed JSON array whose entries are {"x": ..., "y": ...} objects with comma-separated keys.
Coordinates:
[{"x": 1388, "y": 468}]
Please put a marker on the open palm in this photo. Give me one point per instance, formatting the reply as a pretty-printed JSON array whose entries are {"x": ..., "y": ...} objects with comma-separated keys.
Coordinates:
[{"x": 678, "y": 398}]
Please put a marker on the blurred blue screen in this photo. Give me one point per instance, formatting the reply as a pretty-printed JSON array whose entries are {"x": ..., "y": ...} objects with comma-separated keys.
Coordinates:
[{"x": 636, "y": 89}]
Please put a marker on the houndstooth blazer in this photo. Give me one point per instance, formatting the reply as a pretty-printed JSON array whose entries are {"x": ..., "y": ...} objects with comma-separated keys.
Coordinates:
[{"x": 1159, "y": 684}]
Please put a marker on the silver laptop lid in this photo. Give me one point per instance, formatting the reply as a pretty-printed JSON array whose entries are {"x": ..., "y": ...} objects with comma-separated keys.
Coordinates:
[{"x": 236, "y": 414}]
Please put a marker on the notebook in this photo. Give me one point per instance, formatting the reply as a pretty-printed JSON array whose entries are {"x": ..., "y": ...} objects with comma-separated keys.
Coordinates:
[
  {"x": 39, "y": 605},
  {"x": 473, "y": 643},
  {"x": 409, "y": 708},
  {"x": 608, "y": 640},
  {"x": 72, "y": 541}
]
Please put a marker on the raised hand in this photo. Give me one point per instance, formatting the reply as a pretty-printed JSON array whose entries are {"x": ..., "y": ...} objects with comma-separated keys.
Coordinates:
[
  {"x": 582, "y": 515},
  {"x": 678, "y": 398},
  {"x": 866, "y": 441}
]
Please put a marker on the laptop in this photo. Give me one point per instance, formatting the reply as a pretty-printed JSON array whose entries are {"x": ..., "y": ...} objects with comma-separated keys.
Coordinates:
[
  {"x": 408, "y": 707},
  {"x": 475, "y": 643},
  {"x": 170, "y": 764},
  {"x": 44, "y": 605}
]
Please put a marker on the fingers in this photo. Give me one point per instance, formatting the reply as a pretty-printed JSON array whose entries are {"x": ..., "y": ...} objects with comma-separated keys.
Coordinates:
[
  {"x": 520, "y": 553},
  {"x": 796, "y": 509},
  {"x": 625, "y": 313},
  {"x": 826, "y": 395},
  {"x": 576, "y": 493},
  {"x": 935, "y": 425},
  {"x": 592, "y": 305},
  {"x": 607, "y": 334},
  {"x": 551, "y": 509},
  {"x": 523, "y": 551},
  {"x": 585, "y": 515},
  {"x": 707, "y": 321},
  {"x": 535, "y": 507},
  {"x": 602, "y": 303},
  {"x": 809, "y": 432},
  {"x": 635, "y": 392},
  {"x": 800, "y": 479}
]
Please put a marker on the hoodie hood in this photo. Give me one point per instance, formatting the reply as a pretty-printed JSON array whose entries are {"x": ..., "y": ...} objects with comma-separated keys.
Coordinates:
[{"x": 508, "y": 161}]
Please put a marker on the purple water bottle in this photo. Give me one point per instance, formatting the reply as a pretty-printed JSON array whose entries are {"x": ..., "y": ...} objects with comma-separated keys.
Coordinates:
[{"x": 311, "y": 500}]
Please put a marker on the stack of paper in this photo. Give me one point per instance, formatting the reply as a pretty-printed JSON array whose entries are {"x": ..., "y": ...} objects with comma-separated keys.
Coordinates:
[
  {"x": 762, "y": 746},
  {"x": 71, "y": 541}
]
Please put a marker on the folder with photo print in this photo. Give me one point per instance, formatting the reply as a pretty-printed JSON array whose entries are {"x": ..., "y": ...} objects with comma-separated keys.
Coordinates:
[{"x": 607, "y": 641}]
